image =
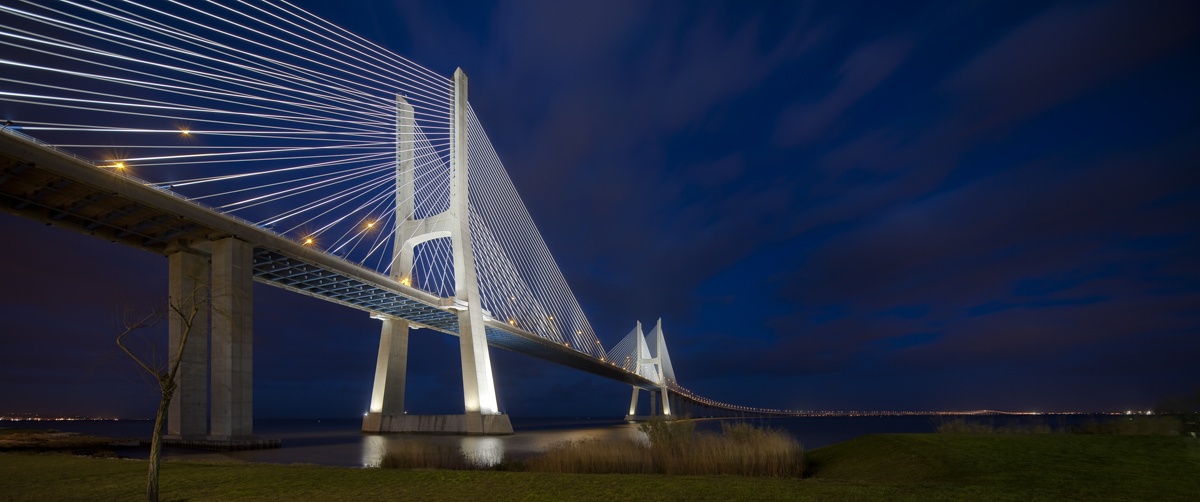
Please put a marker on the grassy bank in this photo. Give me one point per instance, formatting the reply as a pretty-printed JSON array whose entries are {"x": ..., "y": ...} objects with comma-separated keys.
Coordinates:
[
  {"x": 34, "y": 440},
  {"x": 884, "y": 467}
]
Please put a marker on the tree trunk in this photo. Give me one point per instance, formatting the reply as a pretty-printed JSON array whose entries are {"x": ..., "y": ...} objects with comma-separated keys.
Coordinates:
[{"x": 160, "y": 421}]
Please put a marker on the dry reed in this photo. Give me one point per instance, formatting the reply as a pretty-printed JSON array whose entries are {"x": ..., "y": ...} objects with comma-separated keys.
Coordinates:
[
  {"x": 741, "y": 449},
  {"x": 595, "y": 456},
  {"x": 426, "y": 455}
]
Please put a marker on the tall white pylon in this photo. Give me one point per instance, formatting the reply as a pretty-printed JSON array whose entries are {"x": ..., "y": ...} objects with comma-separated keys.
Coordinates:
[
  {"x": 652, "y": 362},
  {"x": 478, "y": 387},
  {"x": 479, "y": 390},
  {"x": 657, "y": 348}
]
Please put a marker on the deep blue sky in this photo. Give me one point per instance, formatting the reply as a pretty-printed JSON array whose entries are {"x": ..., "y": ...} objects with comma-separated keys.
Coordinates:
[{"x": 834, "y": 205}]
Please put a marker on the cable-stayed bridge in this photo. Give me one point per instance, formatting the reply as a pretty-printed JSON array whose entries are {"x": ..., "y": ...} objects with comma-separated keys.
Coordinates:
[{"x": 262, "y": 143}]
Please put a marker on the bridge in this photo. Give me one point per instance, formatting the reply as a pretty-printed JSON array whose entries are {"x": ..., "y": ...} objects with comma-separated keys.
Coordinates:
[{"x": 269, "y": 145}]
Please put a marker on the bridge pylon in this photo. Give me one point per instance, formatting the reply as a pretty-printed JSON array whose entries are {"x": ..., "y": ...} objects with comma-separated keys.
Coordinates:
[
  {"x": 654, "y": 364},
  {"x": 481, "y": 409}
]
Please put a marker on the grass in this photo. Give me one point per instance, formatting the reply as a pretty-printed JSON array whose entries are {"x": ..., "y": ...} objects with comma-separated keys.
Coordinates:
[
  {"x": 50, "y": 440},
  {"x": 883, "y": 467},
  {"x": 1048, "y": 467}
]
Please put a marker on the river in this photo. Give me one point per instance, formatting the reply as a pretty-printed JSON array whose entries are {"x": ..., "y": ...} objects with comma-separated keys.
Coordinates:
[{"x": 338, "y": 442}]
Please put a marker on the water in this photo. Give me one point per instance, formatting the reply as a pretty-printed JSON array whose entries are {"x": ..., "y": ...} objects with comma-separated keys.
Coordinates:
[{"x": 339, "y": 442}]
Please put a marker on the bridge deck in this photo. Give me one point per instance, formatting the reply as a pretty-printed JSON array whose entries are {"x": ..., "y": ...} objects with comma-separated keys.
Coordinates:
[{"x": 58, "y": 188}]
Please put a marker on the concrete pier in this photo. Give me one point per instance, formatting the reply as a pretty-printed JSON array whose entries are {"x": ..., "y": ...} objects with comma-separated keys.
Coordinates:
[
  {"x": 666, "y": 414},
  {"x": 485, "y": 425},
  {"x": 187, "y": 416},
  {"x": 391, "y": 365},
  {"x": 232, "y": 340},
  {"x": 644, "y": 418}
]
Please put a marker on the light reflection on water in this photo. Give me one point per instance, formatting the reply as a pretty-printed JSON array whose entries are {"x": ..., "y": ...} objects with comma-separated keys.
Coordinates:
[
  {"x": 491, "y": 450},
  {"x": 340, "y": 443}
]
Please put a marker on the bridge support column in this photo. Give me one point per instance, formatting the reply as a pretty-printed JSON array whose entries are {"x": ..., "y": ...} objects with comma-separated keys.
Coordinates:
[
  {"x": 666, "y": 402},
  {"x": 479, "y": 389},
  {"x": 481, "y": 414},
  {"x": 633, "y": 403},
  {"x": 653, "y": 403},
  {"x": 387, "y": 396},
  {"x": 232, "y": 340},
  {"x": 187, "y": 417}
]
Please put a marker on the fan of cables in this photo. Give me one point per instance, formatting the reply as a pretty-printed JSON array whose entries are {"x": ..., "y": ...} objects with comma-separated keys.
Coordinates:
[{"x": 264, "y": 111}]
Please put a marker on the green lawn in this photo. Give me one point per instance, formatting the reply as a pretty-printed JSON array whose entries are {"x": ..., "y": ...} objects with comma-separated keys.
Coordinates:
[{"x": 883, "y": 467}]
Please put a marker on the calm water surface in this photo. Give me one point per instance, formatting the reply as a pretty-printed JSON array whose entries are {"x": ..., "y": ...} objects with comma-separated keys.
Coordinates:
[{"x": 338, "y": 442}]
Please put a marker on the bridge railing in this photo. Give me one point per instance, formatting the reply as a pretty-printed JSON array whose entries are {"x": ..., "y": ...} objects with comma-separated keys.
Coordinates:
[
  {"x": 11, "y": 130},
  {"x": 135, "y": 179}
]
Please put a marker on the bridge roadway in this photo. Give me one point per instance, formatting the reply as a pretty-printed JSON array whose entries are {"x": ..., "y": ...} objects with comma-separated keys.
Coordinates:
[{"x": 42, "y": 183}]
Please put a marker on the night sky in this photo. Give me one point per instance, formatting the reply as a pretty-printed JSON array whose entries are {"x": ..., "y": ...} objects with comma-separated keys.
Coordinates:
[{"x": 832, "y": 206}]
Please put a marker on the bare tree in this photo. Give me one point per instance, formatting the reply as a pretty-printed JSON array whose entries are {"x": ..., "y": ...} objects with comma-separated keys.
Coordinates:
[{"x": 185, "y": 311}]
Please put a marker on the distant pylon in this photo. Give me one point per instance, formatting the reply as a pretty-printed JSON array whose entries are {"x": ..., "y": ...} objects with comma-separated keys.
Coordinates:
[{"x": 653, "y": 363}]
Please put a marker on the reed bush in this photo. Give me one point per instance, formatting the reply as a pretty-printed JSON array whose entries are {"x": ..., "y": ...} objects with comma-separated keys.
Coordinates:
[
  {"x": 667, "y": 436},
  {"x": 674, "y": 448},
  {"x": 743, "y": 450},
  {"x": 594, "y": 456},
  {"x": 426, "y": 455}
]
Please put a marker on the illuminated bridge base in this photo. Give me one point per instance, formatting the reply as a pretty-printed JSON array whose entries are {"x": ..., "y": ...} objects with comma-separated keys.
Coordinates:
[{"x": 491, "y": 425}]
